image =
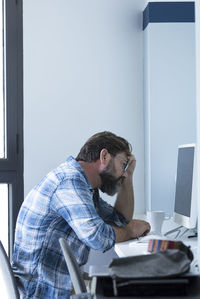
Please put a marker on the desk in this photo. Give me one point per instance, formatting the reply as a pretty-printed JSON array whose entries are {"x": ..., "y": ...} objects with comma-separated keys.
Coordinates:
[{"x": 130, "y": 248}]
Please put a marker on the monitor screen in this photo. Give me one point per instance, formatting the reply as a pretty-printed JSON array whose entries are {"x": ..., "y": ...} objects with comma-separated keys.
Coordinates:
[
  {"x": 185, "y": 207},
  {"x": 184, "y": 181}
]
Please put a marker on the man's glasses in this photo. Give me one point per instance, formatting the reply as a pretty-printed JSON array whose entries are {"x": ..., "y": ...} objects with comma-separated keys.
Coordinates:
[{"x": 126, "y": 164}]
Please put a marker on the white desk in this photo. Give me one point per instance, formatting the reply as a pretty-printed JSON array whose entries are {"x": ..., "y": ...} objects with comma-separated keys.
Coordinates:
[{"x": 132, "y": 247}]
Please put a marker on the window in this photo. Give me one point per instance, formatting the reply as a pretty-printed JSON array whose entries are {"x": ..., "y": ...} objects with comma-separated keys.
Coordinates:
[
  {"x": 11, "y": 118},
  {"x": 4, "y": 214},
  {"x": 2, "y": 106}
]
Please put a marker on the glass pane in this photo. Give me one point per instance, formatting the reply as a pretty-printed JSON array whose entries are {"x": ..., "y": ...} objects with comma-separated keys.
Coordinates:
[
  {"x": 4, "y": 215},
  {"x": 2, "y": 103}
]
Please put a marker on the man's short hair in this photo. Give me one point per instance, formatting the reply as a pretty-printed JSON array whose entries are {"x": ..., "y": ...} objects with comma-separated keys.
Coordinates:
[{"x": 90, "y": 152}]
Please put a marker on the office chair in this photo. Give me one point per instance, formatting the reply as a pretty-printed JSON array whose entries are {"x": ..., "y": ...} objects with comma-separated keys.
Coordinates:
[
  {"x": 6, "y": 271},
  {"x": 73, "y": 268}
]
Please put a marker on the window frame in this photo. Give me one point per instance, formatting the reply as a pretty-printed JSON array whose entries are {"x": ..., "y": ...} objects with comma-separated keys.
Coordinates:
[{"x": 11, "y": 168}]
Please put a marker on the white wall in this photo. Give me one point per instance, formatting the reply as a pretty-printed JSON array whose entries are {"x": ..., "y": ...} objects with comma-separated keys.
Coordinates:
[
  {"x": 83, "y": 64},
  {"x": 171, "y": 100}
]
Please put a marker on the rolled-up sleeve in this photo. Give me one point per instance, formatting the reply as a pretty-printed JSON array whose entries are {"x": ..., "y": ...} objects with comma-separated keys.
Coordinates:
[
  {"x": 73, "y": 201},
  {"x": 109, "y": 214}
]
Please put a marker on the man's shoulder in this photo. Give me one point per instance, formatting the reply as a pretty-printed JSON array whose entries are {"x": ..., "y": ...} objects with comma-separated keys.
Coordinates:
[
  {"x": 69, "y": 170},
  {"x": 66, "y": 170}
]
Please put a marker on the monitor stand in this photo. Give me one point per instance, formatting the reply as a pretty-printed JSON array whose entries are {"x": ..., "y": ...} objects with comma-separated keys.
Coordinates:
[{"x": 181, "y": 233}]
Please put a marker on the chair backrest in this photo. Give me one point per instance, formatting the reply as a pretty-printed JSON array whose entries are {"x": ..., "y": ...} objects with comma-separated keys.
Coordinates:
[
  {"x": 73, "y": 268},
  {"x": 7, "y": 274}
]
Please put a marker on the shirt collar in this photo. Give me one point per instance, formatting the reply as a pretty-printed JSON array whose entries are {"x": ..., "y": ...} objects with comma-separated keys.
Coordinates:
[{"x": 70, "y": 160}]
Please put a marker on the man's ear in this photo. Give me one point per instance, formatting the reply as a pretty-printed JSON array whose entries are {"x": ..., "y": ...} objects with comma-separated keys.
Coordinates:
[{"x": 105, "y": 157}]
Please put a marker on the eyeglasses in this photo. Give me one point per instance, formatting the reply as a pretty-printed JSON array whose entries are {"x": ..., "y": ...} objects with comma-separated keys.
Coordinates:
[{"x": 126, "y": 164}]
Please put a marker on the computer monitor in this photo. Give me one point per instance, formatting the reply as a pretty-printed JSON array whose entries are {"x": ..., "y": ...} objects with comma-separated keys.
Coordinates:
[{"x": 185, "y": 207}]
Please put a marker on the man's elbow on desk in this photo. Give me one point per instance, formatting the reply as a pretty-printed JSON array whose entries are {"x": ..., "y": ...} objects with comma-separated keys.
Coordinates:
[{"x": 101, "y": 237}]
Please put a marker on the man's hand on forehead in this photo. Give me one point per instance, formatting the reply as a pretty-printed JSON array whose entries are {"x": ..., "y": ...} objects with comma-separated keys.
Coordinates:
[{"x": 132, "y": 164}]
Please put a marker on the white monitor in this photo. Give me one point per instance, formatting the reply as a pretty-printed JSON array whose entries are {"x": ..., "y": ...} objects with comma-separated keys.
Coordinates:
[{"x": 185, "y": 207}]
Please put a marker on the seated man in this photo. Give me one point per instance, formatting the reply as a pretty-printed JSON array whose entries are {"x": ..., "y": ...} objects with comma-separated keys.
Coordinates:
[{"x": 66, "y": 203}]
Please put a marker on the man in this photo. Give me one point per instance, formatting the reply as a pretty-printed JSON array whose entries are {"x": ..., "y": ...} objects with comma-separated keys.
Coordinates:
[{"x": 66, "y": 203}]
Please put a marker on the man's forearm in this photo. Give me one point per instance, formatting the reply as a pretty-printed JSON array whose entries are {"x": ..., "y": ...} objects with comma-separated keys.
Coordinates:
[
  {"x": 134, "y": 229},
  {"x": 125, "y": 199},
  {"x": 122, "y": 234}
]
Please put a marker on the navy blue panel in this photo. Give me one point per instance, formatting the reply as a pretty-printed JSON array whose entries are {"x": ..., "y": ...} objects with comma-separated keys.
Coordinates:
[
  {"x": 146, "y": 16},
  {"x": 164, "y": 12}
]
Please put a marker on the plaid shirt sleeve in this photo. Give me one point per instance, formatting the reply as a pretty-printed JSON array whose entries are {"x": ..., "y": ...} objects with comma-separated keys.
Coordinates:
[
  {"x": 108, "y": 213},
  {"x": 73, "y": 201}
]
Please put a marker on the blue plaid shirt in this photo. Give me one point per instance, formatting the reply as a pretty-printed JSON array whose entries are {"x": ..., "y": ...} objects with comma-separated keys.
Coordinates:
[{"x": 63, "y": 205}]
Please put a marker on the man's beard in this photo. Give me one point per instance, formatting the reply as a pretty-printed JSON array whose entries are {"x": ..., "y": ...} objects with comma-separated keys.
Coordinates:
[{"x": 110, "y": 184}]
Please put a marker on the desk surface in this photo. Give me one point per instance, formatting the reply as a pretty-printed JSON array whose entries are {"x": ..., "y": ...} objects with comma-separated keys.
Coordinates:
[{"x": 132, "y": 247}]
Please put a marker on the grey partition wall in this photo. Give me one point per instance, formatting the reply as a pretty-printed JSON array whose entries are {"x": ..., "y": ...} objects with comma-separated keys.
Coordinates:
[{"x": 169, "y": 95}]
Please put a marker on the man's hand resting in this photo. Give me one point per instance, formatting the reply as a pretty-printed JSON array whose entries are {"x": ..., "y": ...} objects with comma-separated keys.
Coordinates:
[
  {"x": 138, "y": 228},
  {"x": 134, "y": 229}
]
